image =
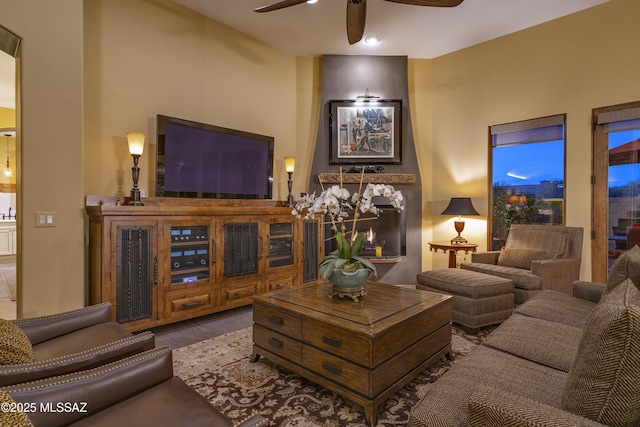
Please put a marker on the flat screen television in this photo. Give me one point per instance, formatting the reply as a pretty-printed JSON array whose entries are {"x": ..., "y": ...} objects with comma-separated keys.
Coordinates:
[{"x": 198, "y": 160}]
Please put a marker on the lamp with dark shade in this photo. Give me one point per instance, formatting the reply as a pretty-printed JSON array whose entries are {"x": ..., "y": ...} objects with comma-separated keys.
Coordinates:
[{"x": 460, "y": 206}]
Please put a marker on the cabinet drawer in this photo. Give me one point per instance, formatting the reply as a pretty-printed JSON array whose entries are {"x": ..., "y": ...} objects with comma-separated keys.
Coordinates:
[
  {"x": 338, "y": 341},
  {"x": 239, "y": 294},
  {"x": 276, "y": 320},
  {"x": 183, "y": 304},
  {"x": 277, "y": 343},
  {"x": 277, "y": 284},
  {"x": 335, "y": 368}
]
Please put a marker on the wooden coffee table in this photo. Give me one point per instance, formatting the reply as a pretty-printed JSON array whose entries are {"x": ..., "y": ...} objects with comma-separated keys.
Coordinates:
[{"x": 364, "y": 351}]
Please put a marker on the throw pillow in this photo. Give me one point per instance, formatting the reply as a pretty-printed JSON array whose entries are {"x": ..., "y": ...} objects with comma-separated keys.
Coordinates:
[
  {"x": 604, "y": 381},
  {"x": 10, "y": 416},
  {"x": 627, "y": 266},
  {"x": 15, "y": 347},
  {"x": 519, "y": 258}
]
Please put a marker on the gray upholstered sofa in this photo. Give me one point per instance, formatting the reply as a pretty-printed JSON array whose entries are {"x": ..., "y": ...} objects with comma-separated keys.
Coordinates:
[
  {"x": 534, "y": 257},
  {"x": 558, "y": 360}
]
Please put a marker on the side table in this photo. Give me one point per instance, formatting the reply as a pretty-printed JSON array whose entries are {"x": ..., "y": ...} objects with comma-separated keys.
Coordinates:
[{"x": 453, "y": 249}]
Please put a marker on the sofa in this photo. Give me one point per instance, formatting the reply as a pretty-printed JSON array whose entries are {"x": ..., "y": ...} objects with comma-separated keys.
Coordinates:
[
  {"x": 534, "y": 257},
  {"x": 559, "y": 360},
  {"x": 139, "y": 390},
  {"x": 46, "y": 346}
]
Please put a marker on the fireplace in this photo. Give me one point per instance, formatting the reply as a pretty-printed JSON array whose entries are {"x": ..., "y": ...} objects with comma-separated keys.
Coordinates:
[{"x": 385, "y": 235}]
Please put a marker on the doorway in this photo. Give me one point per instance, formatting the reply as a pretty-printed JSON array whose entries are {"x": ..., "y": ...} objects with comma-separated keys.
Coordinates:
[
  {"x": 9, "y": 194},
  {"x": 616, "y": 185}
]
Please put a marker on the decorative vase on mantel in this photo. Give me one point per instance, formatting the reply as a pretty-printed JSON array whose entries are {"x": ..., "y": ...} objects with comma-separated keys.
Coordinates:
[{"x": 349, "y": 284}]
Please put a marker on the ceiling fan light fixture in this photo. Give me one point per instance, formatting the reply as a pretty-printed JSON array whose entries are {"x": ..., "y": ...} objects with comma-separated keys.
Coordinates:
[{"x": 371, "y": 40}]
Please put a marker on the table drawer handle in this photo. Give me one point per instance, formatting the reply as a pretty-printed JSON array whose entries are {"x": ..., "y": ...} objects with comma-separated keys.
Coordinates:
[
  {"x": 276, "y": 320},
  {"x": 331, "y": 341},
  {"x": 331, "y": 368},
  {"x": 275, "y": 343}
]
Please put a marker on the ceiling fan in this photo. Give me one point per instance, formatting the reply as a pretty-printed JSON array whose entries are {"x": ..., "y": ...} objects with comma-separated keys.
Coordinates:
[{"x": 357, "y": 12}]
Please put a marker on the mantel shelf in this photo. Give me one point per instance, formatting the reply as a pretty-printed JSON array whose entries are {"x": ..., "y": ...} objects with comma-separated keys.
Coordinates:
[
  {"x": 383, "y": 260},
  {"x": 373, "y": 178}
]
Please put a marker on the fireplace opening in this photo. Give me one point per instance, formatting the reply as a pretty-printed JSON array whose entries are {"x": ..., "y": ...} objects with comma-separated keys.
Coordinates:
[{"x": 385, "y": 234}]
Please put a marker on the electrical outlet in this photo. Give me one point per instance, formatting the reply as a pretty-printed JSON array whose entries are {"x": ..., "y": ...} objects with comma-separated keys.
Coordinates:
[{"x": 45, "y": 219}]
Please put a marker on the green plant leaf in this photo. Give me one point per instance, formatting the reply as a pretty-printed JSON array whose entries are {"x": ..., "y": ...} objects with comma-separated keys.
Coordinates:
[
  {"x": 356, "y": 247},
  {"x": 344, "y": 246}
]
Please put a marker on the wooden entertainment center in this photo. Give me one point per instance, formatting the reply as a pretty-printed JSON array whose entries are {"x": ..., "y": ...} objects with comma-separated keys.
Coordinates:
[{"x": 175, "y": 259}]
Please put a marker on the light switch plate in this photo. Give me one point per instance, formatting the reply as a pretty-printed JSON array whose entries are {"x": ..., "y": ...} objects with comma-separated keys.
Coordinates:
[{"x": 45, "y": 219}]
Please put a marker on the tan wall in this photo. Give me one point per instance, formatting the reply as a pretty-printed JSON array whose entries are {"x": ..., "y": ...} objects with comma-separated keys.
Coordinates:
[
  {"x": 51, "y": 265},
  {"x": 148, "y": 58},
  {"x": 570, "y": 65}
]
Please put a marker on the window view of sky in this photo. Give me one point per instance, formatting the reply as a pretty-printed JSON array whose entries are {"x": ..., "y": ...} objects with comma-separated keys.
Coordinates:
[
  {"x": 623, "y": 174},
  {"x": 528, "y": 164}
]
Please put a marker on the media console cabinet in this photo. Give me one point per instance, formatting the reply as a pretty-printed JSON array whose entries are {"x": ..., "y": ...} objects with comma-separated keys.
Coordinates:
[{"x": 175, "y": 259}]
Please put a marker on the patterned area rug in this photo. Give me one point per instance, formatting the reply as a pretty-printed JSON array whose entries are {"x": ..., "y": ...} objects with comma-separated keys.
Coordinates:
[{"x": 220, "y": 370}]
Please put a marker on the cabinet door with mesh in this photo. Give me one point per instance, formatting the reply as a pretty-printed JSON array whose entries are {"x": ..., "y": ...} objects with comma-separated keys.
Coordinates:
[
  {"x": 135, "y": 273},
  {"x": 310, "y": 256},
  {"x": 241, "y": 248}
]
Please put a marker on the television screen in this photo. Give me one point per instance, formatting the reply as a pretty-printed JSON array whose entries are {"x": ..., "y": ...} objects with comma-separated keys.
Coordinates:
[{"x": 206, "y": 161}]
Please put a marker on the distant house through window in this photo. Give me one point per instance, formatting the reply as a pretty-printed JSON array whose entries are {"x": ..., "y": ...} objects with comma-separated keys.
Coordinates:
[{"x": 527, "y": 164}]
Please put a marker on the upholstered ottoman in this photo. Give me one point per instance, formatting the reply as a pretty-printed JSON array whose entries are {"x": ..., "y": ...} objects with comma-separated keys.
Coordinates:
[{"x": 478, "y": 299}]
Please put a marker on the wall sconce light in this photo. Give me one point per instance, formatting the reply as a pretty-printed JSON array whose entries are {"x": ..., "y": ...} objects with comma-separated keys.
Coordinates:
[
  {"x": 289, "y": 167},
  {"x": 460, "y": 206},
  {"x": 136, "y": 147}
]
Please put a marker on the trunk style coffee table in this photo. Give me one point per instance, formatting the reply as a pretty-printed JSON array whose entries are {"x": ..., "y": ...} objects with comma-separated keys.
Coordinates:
[{"x": 364, "y": 351}]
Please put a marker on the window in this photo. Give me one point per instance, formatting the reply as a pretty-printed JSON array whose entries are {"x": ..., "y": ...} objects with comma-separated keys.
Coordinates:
[
  {"x": 526, "y": 160},
  {"x": 616, "y": 189}
]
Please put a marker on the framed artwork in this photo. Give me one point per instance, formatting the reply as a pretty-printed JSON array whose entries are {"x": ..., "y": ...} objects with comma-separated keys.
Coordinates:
[{"x": 365, "y": 132}]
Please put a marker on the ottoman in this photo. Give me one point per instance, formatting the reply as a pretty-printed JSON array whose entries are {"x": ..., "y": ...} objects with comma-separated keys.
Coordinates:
[{"x": 478, "y": 299}]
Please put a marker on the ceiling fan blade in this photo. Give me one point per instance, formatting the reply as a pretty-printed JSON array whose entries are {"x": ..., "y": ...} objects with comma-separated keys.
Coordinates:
[
  {"x": 356, "y": 17},
  {"x": 432, "y": 3},
  {"x": 279, "y": 5}
]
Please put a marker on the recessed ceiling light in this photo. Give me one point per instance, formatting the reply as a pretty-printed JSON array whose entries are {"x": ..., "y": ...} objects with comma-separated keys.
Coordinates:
[
  {"x": 312, "y": 1},
  {"x": 371, "y": 40}
]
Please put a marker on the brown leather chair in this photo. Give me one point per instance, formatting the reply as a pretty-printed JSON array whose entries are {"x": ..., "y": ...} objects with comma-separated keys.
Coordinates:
[
  {"x": 72, "y": 341},
  {"x": 136, "y": 391}
]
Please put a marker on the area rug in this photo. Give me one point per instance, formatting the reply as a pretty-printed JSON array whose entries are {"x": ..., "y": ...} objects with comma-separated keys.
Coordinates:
[{"x": 220, "y": 370}]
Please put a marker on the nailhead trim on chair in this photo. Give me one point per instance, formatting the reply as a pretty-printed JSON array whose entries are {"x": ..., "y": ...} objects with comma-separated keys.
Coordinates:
[
  {"x": 65, "y": 314},
  {"x": 260, "y": 423},
  {"x": 49, "y": 362},
  {"x": 91, "y": 373}
]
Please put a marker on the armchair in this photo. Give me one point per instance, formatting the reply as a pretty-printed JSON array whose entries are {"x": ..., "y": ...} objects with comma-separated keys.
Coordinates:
[
  {"x": 66, "y": 342},
  {"x": 534, "y": 257},
  {"x": 139, "y": 390}
]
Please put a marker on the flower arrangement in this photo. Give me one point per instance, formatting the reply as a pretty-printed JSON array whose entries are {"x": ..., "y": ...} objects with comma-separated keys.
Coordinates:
[{"x": 339, "y": 204}]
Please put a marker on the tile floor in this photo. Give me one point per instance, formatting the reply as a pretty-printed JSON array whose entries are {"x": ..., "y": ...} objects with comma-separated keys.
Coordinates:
[
  {"x": 7, "y": 307},
  {"x": 187, "y": 332}
]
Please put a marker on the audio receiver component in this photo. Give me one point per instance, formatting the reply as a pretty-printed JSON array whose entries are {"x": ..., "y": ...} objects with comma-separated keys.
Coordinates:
[
  {"x": 189, "y": 257},
  {"x": 190, "y": 253},
  {"x": 197, "y": 233}
]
